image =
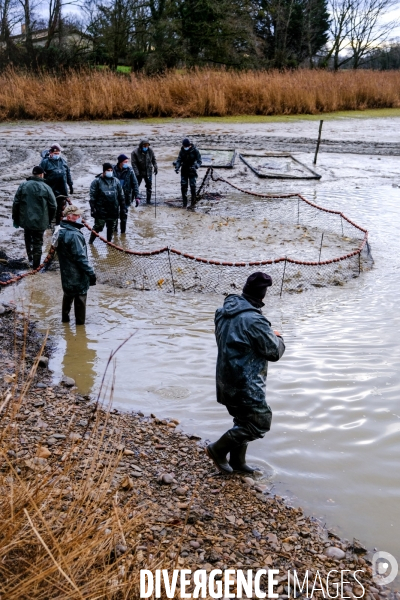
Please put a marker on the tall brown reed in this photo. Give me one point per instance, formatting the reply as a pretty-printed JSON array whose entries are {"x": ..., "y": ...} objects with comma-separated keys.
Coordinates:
[
  {"x": 65, "y": 532},
  {"x": 107, "y": 95}
]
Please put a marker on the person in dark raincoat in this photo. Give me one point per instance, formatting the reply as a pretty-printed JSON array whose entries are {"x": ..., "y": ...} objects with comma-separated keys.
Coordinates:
[
  {"x": 127, "y": 178},
  {"x": 246, "y": 343},
  {"x": 76, "y": 273},
  {"x": 144, "y": 163},
  {"x": 107, "y": 202},
  {"x": 33, "y": 209},
  {"x": 189, "y": 160},
  {"x": 58, "y": 176}
]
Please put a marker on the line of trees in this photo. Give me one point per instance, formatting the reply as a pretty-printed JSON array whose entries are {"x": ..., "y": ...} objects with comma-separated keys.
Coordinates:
[{"x": 155, "y": 35}]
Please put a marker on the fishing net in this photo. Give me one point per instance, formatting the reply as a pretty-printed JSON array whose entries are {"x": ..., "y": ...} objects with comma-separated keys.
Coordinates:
[{"x": 172, "y": 270}]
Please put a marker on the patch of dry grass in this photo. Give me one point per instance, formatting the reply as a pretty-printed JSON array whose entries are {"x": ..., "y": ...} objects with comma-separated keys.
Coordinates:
[{"x": 107, "y": 95}]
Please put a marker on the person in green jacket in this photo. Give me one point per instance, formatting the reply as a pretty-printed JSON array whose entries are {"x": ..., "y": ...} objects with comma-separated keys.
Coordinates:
[
  {"x": 33, "y": 209},
  {"x": 77, "y": 275}
]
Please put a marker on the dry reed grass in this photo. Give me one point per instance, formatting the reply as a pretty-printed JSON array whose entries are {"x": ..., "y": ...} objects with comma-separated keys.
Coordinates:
[
  {"x": 107, "y": 95},
  {"x": 63, "y": 533}
]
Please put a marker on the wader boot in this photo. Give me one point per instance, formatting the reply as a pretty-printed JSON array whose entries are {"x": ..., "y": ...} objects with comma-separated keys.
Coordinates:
[
  {"x": 184, "y": 189},
  {"x": 193, "y": 201},
  {"x": 148, "y": 196},
  {"x": 36, "y": 261},
  {"x": 123, "y": 226},
  {"x": 92, "y": 238},
  {"x": 79, "y": 302},
  {"x": 110, "y": 231},
  {"x": 218, "y": 451},
  {"x": 237, "y": 460}
]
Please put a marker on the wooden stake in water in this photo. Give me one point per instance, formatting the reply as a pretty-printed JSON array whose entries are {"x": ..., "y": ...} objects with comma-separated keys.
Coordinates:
[
  {"x": 320, "y": 248},
  {"x": 283, "y": 277},
  {"x": 170, "y": 268},
  {"x": 155, "y": 196},
  {"x": 318, "y": 142}
]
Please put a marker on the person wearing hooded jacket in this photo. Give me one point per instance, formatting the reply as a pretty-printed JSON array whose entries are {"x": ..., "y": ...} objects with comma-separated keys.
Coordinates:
[
  {"x": 189, "y": 160},
  {"x": 33, "y": 209},
  {"x": 107, "y": 202},
  {"x": 127, "y": 178},
  {"x": 246, "y": 343},
  {"x": 58, "y": 177},
  {"x": 76, "y": 273},
  {"x": 144, "y": 163}
]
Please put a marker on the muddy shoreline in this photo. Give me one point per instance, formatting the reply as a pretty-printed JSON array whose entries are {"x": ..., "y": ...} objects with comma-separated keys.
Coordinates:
[{"x": 196, "y": 518}]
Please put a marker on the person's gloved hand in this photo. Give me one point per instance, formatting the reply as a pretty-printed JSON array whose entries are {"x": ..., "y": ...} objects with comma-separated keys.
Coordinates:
[
  {"x": 137, "y": 202},
  {"x": 92, "y": 279},
  {"x": 155, "y": 170},
  {"x": 15, "y": 225},
  {"x": 176, "y": 170},
  {"x": 71, "y": 190}
]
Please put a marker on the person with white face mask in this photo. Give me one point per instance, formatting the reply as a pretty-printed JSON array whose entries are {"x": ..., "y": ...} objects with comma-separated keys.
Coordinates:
[
  {"x": 107, "y": 202},
  {"x": 127, "y": 178},
  {"x": 58, "y": 177},
  {"x": 189, "y": 160},
  {"x": 77, "y": 275}
]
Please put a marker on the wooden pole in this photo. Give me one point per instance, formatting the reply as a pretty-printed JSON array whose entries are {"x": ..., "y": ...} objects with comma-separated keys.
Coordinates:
[{"x": 318, "y": 142}]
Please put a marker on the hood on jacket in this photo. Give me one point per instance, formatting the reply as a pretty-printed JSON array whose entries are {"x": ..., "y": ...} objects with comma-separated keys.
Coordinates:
[
  {"x": 143, "y": 141},
  {"x": 35, "y": 178},
  {"x": 234, "y": 304}
]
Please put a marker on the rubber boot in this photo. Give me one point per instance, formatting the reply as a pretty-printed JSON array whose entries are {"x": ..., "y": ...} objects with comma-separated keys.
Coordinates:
[
  {"x": 184, "y": 196},
  {"x": 218, "y": 451},
  {"x": 92, "y": 238},
  {"x": 148, "y": 196},
  {"x": 36, "y": 261},
  {"x": 110, "y": 231},
  {"x": 123, "y": 226},
  {"x": 192, "y": 202},
  {"x": 237, "y": 460}
]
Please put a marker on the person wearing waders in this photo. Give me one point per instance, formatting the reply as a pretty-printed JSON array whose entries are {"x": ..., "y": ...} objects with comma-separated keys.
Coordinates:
[
  {"x": 127, "y": 178},
  {"x": 107, "y": 202},
  {"x": 189, "y": 160},
  {"x": 76, "y": 273},
  {"x": 33, "y": 209},
  {"x": 246, "y": 343},
  {"x": 58, "y": 176},
  {"x": 144, "y": 163}
]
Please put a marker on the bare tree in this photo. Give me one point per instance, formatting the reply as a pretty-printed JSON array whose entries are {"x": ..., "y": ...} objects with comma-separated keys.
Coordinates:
[
  {"x": 367, "y": 31},
  {"x": 356, "y": 29}
]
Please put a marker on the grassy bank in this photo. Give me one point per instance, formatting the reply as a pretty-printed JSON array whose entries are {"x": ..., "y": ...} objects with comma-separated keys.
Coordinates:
[{"x": 107, "y": 95}]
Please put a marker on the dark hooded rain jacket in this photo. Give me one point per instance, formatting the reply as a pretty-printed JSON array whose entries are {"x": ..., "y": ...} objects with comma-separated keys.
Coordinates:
[
  {"x": 246, "y": 343},
  {"x": 76, "y": 271}
]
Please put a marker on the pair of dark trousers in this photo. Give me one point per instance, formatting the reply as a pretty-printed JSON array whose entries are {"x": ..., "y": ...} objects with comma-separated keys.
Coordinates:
[
  {"x": 34, "y": 245},
  {"x": 110, "y": 224},
  {"x": 79, "y": 301},
  {"x": 148, "y": 182},
  {"x": 250, "y": 422},
  {"x": 186, "y": 180},
  {"x": 61, "y": 205}
]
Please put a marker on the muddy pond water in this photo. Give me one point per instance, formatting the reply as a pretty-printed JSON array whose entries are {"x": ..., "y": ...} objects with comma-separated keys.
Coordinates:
[{"x": 334, "y": 446}]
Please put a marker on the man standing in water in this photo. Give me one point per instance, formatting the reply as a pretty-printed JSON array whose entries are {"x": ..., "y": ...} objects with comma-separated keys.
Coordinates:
[
  {"x": 76, "y": 273},
  {"x": 107, "y": 202},
  {"x": 189, "y": 160},
  {"x": 33, "y": 209},
  {"x": 58, "y": 177},
  {"x": 246, "y": 343},
  {"x": 144, "y": 163}
]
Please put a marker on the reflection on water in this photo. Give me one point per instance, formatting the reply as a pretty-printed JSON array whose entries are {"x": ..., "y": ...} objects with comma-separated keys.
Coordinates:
[
  {"x": 78, "y": 357},
  {"x": 335, "y": 439}
]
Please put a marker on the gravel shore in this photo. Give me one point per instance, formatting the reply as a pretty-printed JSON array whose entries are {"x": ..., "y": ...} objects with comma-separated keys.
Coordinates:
[{"x": 192, "y": 517}]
